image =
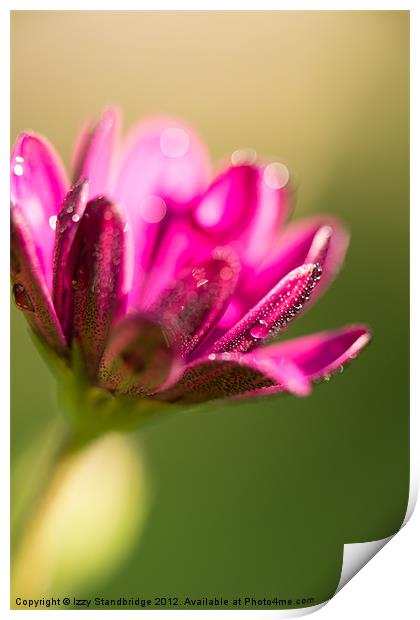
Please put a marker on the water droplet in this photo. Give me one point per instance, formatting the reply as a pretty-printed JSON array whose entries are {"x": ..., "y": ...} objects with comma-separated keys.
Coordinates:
[
  {"x": 212, "y": 356},
  {"x": 53, "y": 222},
  {"x": 276, "y": 175},
  {"x": 327, "y": 377},
  {"x": 19, "y": 159},
  {"x": 22, "y": 299},
  {"x": 243, "y": 156},
  {"x": 174, "y": 142},
  {"x": 152, "y": 209},
  {"x": 259, "y": 330},
  {"x": 75, "y": 217},
  {"x": 226, "y": 273},
  {"x": 18, "y": 170},
  {"x": 74, "y": 284}
]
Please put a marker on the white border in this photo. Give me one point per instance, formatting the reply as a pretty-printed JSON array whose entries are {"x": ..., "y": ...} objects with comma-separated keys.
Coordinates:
[{"x": 387, "y": 586}]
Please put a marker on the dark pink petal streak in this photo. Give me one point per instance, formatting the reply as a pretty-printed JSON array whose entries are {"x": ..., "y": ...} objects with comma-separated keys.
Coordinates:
[
  {"x": 96, "y": 254},
  {"x": 232, "y": 374},
  {"x": 197, "y": 299},
  {"x": 68, "y": 221},
  {"x": 30, "y": 289},
  {"x": 273, "y": 313}
]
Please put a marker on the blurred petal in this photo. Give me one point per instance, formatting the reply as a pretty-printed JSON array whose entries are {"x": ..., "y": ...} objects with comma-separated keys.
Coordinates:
[
  {"x": 274, "y": 205},
  {"x": 163, "y": 169},
  {"x": 179, "y": 246},
  {"x": 68, "y": 221},
  {"x": 93, "y": 157},
  {"x": 273, "y": 313},
  {"x": 231, "y": 374},
  {"x": 323, "y": 353},
  {"x": 320, "y": 240},
  {"x": 229, "y": 204},
  {"x": 241, "y": 208},
  {"x": 30, "y": 290},
  {"x": 196, "y": 300},
  {"x": 37, "y": 186},
  {"x": 138, "y": 358},
  {"x": 162, "y": 157},
  {"x": 97, "y": 256}
]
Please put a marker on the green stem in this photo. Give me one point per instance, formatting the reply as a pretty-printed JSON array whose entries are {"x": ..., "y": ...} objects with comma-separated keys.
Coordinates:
[{"x": 32, "y": 475}]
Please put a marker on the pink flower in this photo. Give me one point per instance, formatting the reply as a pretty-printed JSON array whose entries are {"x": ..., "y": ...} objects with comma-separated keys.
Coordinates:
[{"x": 172, "y": 283}]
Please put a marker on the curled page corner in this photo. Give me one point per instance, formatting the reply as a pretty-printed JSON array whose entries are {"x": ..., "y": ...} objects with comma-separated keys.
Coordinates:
[{"x": 356, "y": 556}]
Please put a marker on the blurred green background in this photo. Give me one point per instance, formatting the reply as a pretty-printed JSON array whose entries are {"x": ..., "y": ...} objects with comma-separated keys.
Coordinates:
[{"x": 254, "y": 497}]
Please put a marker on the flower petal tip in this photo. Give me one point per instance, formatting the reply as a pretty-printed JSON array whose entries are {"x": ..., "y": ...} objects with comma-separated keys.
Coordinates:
[{"x": 274, "y": 312}]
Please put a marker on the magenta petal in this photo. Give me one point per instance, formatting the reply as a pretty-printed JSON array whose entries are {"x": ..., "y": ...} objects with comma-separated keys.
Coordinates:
[
  {"x": 68, "y": 221},
  {"x": 323, "y": 353},
  {"x": 274, "y": 205},
  {"x": 94, "y": 152},
  {"x": 163, "y": 169},
  {"x": 97, "y": 259},
  {"x": 241, "y": 208},
  {"x": 196, "y": 300},
  {"x": 231, "y": 374},
  {"x": 30, "y": 288},
  {"x": 229, "y": 204},
  {"x": 137, "y": 359},
  {"x": 162, "y": 157},
  {"x": 37, "y": 186},
  {"x": 180, "y": 245},
  {"x": 273, "y": 313},
  {"x": 321, "y": 240}
]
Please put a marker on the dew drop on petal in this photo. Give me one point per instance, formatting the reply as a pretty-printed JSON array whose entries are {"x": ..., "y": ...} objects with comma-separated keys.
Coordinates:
[
  {"x": 53, "y": 222},
  {"x": 18, "y": 170},
  {"x": 75, "y": 217},
  {"x": 259, "y": 330},
  {"x": 152, "y": 209},
  {"x": 276, "y": 175},
  {"x": 243, "y": 156},
  {"x": 226, "y": 273},
  {"x": 174, "y": 142},
  {"x": 19, "y": 159},
  {"x": 22, "y": 299}
]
